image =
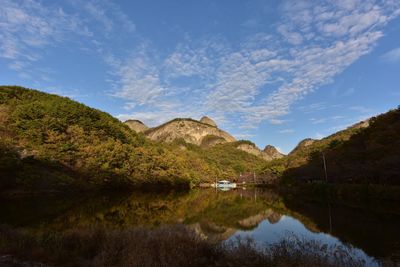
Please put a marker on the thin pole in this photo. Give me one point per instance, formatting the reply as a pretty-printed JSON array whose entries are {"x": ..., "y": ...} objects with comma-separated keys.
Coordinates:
[
  {"x": 326, "y": 173},
  {"x": 330, "y": 218}
]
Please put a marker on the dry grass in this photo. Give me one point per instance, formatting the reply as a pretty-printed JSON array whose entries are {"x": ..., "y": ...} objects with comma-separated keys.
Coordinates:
[{"x": 166, "y": 246}]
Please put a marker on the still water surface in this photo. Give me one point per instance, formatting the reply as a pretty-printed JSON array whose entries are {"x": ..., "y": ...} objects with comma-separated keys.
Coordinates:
[{"x": 264, "y": 215}]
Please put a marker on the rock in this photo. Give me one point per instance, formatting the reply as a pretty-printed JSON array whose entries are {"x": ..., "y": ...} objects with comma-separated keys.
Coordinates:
[
  {"x": 268, "y": 155},
  {"x": 252, "y": 149},
  {"x": 272, "y": 152},
  {"x": 208, "y": 121},
  {"x": 191, "y": 131},
  {"x": 212, "y": 140},
  {"x": 136, "y": 125}
]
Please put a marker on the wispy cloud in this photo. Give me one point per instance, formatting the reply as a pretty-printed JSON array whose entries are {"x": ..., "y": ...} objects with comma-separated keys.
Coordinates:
[
  {"x": 109, "y": 15},
  {"x": 336, "y": 92},
  {"x": 28, "y": 28},
  {"x": 243, "y": 136},
  {"x": 304, "y": 67},
  {"x": 392, "y": 56},
  {"x": 138, "y": 79},
  {"x": 338, "y": 117},
  {"x": 361, "y": 109},
  {"x": 318, "y": 121},
  {"x": 256, "y": 81},
  {"x": 286, "y": 131},
  {"x": 326, "y": 120},
  {"x": 313, "y": 107},
  {"x": 319, "y": 135},
  {"x": 277, "y": 121}
]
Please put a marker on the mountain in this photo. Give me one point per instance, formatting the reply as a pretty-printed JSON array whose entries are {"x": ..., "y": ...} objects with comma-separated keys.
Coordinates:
[
  {"x": 52, "y": 143},
  {"x": 200, "y": 133},
  {"x": 272, "y": 152},
  {"x": 204, "y": 133},
  {"x": 136, "y": 125},
  {"x": 300, "y": 154},
  {"x": 208, "y": 121},
  {"x": 302, "y": 145},
  {"x": 269, "y": 153},
  {"x": 366, "y": 152}
]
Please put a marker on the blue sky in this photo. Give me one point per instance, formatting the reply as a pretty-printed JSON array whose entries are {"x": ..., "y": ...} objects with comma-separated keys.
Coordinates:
[{"x": 273, "y": 72}]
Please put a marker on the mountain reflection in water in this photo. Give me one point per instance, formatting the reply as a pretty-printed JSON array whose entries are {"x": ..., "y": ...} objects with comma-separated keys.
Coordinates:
[{"x": 263, "y": 215}]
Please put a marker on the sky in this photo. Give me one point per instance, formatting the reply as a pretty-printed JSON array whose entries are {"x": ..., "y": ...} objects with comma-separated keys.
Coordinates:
[{"x": 273, "y": 72}]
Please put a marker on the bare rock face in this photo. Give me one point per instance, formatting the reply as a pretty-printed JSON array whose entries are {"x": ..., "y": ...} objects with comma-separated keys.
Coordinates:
[
  {"x": 208, "y": 121},
  {"x": 272, "y": 152},
  {"x": 136, "y": 125},
  {"x": 212, "y": 140},
  {"x": 252, "y": 149},
  {"x": 268, "y": 155},
  {"x": 191, "y": 131}
]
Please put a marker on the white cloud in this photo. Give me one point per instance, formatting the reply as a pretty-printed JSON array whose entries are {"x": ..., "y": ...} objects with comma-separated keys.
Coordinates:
[
  {"x": 392, "y": 56},
  {"x": 138, "y": 81},
  {"x": 276, "y": 121},
  {"x": 286, "y": 131},
  {"x": 361, "y": 109},
  {"x": 109, "y": 15},
  {"x": 337, "y": 117},
  {"x": 237, "y": 84},
  {"x": 258, "y": 80},
  {"x": 26, "y": 27},
  {"x": 317, "y": 121},
  {"x": 319, "y": 135},
  {"x": 29, "y": 27},
  {"x": 187, "y": 61},
  {"x": 291, "y": 36},
  {"x": 99, "y": 13},
  {"x": 243, "y": 82},
  {"x": 262, "y": 79},
  {"x": 313, "y": 107},
  {"x": 243, "y": 136}
]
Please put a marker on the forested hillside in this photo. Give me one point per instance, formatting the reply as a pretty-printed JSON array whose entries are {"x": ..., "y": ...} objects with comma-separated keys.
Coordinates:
[
  {"x": 51, "y": 142},
  {"x": 368, "y": 152}
]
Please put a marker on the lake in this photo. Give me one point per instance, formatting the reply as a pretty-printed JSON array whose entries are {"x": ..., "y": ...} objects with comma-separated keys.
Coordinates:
[{"x": 263, "y": 215}]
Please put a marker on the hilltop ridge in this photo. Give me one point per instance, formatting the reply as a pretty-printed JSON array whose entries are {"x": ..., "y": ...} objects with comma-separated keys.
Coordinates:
[
  {"x": 191, "y": 131},
  {"x": 365, "y": 152},
  {"x": 204, "y": 133},
  {"x": 136, "y": 125}
]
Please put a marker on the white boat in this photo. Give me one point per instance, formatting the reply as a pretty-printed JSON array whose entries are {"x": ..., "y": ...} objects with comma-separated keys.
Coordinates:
[{"x": 225, "y": 184}]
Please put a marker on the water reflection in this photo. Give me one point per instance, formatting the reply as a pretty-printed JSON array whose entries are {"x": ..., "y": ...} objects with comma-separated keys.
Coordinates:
[{"x": 263, "y": 215}]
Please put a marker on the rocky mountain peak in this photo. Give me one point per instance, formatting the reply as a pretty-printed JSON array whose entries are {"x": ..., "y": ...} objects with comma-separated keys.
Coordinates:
[
  {"x": 268, "y": 154},
  {"x": 208, "y": 121},
  {"x": 272, "y": 151},
  {"x": 191, "y": 131}
]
